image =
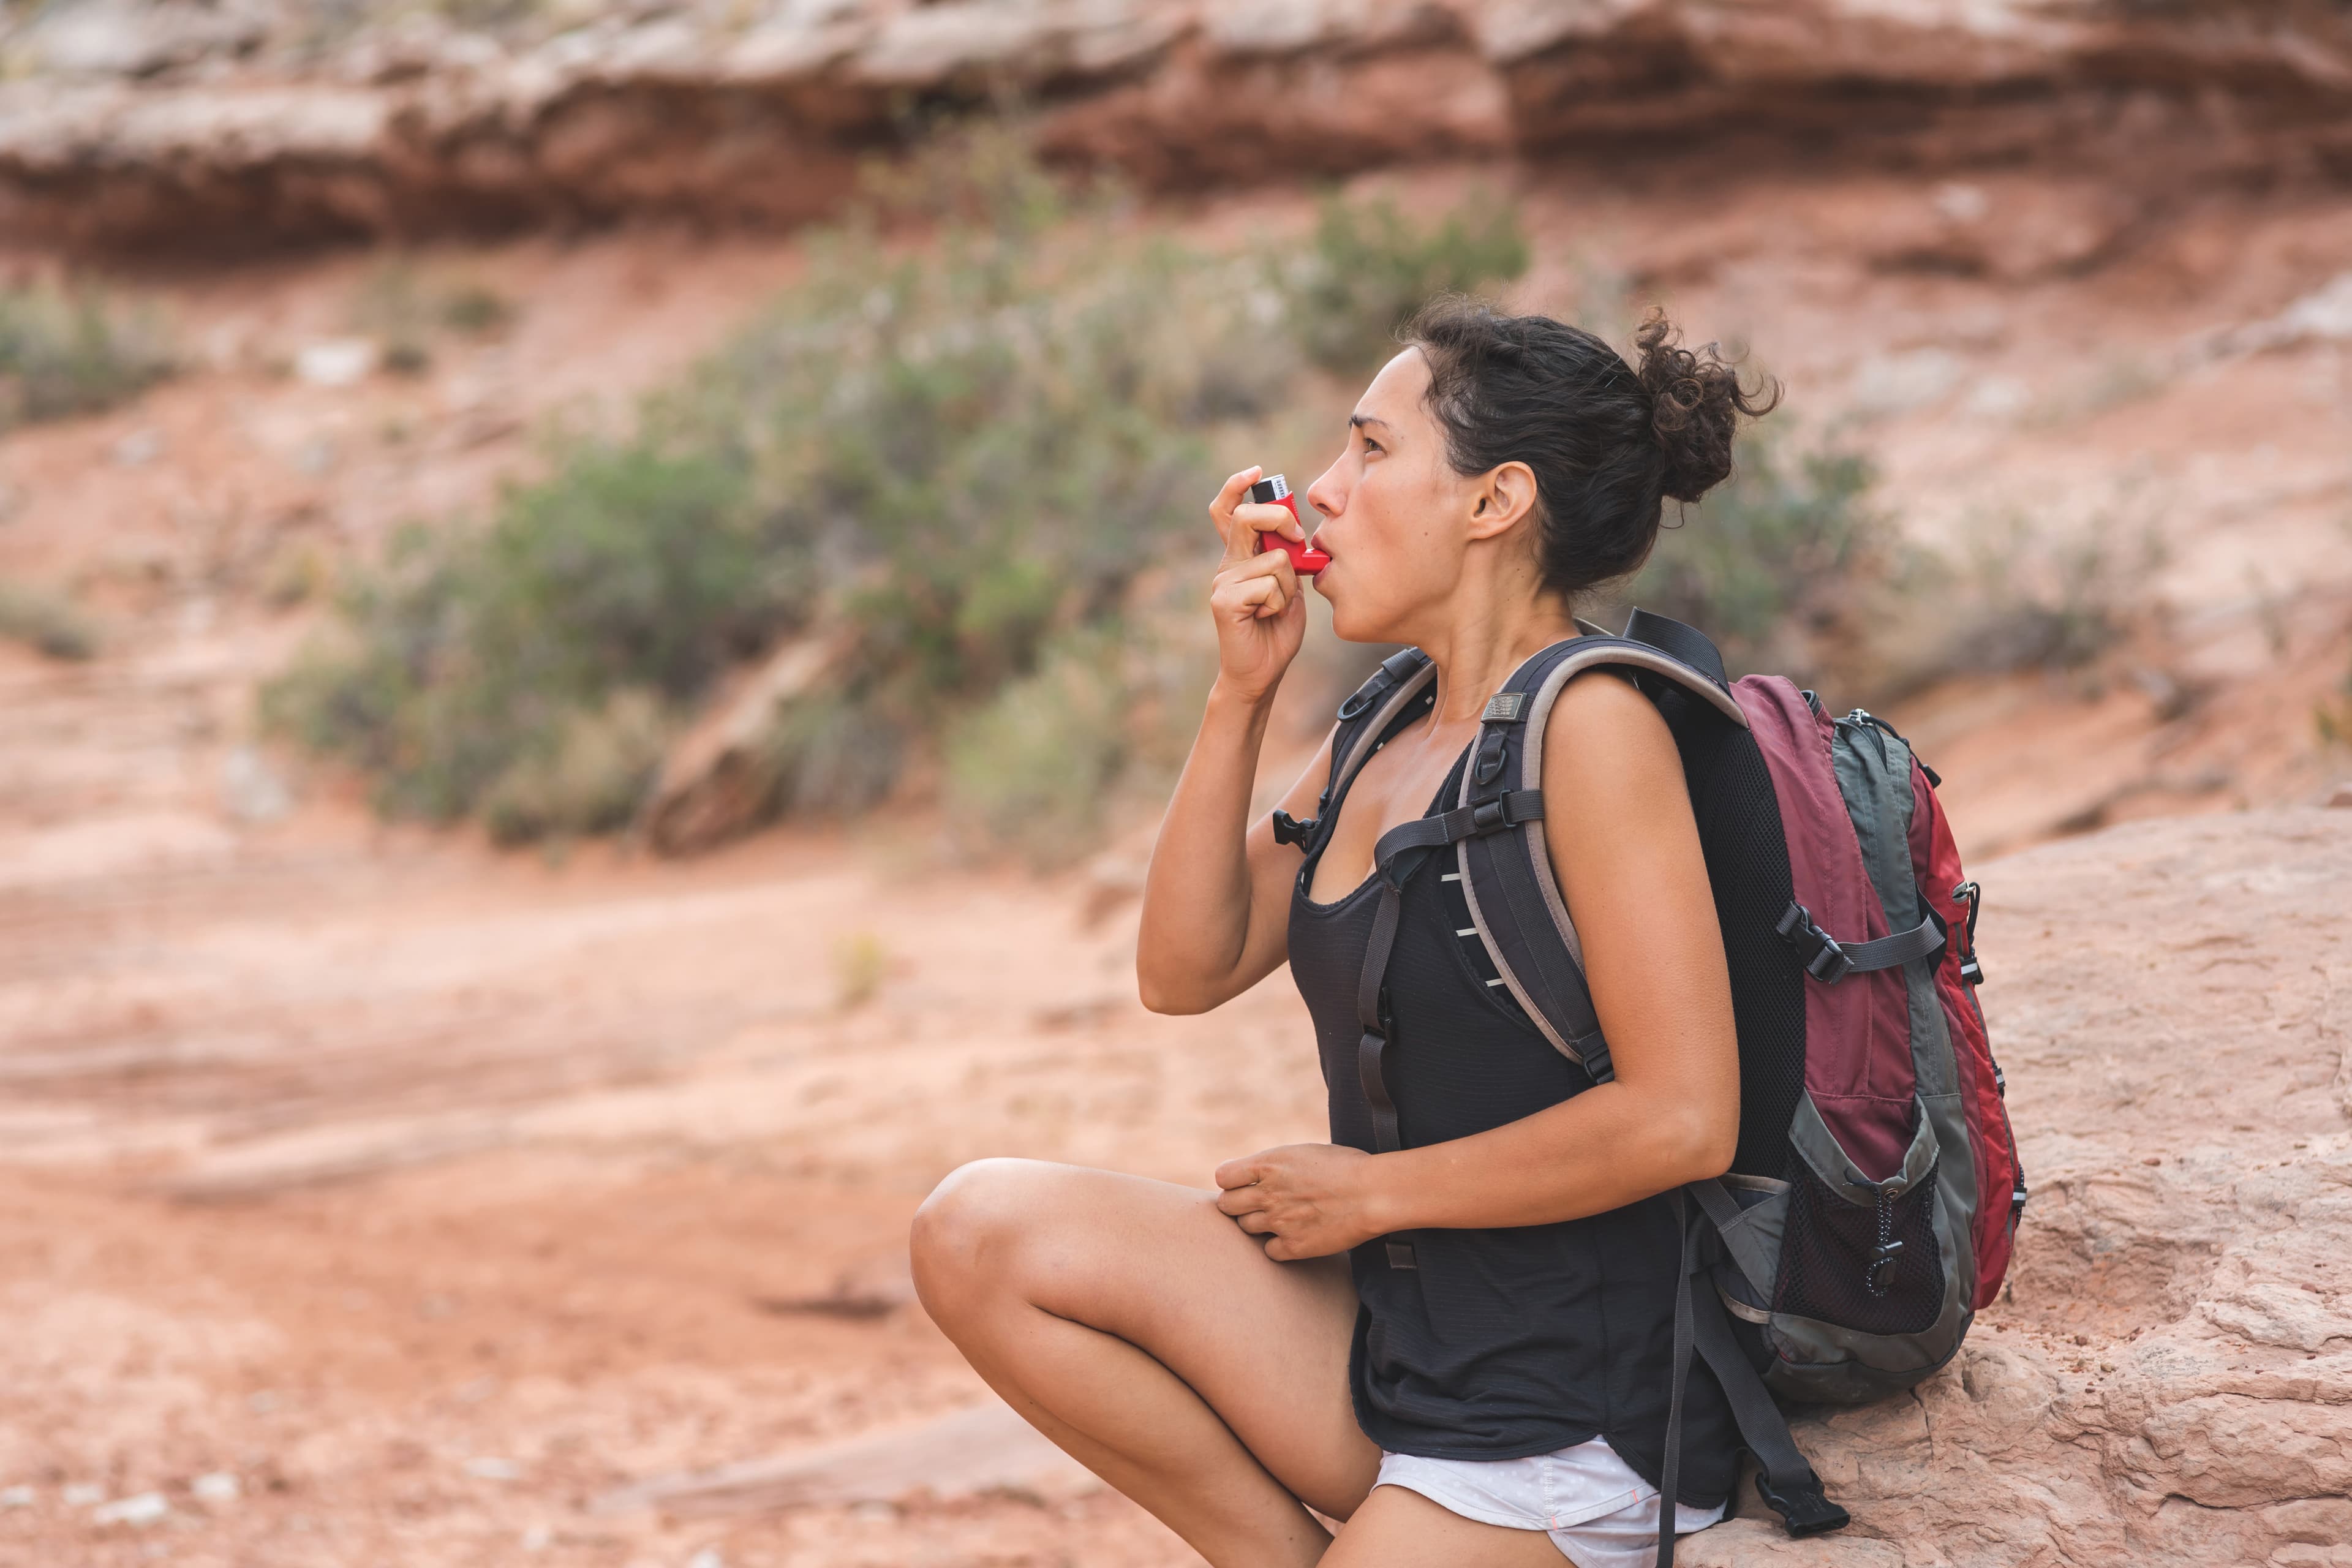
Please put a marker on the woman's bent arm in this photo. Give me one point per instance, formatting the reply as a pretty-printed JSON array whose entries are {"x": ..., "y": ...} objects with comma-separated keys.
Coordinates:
[{"x": 1215, "y": 902}]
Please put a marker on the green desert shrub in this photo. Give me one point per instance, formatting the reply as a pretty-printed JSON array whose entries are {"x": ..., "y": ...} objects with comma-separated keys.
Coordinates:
[
  {"x": 1036, "y": 768},
  {"x": 2028, "y": 595},
  {"x": 1370, "y": 267},
  {"x": 589, "y": 776},
  {"x": 46, "y": 620},
  {"x": 470, "y": 652},
  {"x": 957, "y": 450},
  {"x": 1769, "y": 555},
  {"x": 71, "y": 351},
  {"x": 403, "y": 306}
]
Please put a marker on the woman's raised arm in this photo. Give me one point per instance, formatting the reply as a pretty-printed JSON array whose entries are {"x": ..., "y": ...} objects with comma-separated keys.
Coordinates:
[{"x": 1216, "y": 902}]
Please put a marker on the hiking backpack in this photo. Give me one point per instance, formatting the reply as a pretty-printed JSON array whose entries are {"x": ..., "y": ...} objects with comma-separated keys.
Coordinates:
[{"x": 1869, "y": 1210}]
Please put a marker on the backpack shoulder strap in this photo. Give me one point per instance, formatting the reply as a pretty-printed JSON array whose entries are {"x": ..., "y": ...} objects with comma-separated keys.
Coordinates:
[
  {"x": 1506, "y": 878},
  {"x": 1384, "y": 702}
]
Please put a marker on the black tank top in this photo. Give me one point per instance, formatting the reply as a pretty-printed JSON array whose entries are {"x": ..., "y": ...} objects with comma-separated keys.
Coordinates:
[{"x": 1501, "y": 1343}]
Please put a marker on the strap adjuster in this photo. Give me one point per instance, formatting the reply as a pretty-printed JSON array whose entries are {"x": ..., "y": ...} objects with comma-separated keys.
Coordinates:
[
  {"x": 1803, "y": 1509},
  {"x": 1520, "y": 805},
  {"x": 1826, "y": 961},
  {"x": 1822, "y": 955},
  {"x": 1289, "y": 829}
]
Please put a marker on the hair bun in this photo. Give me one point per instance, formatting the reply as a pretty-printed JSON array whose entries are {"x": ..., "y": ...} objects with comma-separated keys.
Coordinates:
[{"x": 1696, "y": 403}]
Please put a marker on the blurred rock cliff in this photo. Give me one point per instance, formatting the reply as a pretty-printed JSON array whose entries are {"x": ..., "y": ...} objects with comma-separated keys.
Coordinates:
[{"x": 126, "y": 122}]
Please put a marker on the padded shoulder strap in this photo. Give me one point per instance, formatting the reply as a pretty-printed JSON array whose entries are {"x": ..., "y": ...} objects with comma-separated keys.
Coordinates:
[
  {"x": 1515, "y": 901},
  {"x": 1404, "y": 677}
]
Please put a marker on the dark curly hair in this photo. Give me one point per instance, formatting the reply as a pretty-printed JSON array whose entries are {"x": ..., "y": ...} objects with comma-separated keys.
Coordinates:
[{"x": 1609, "y": 444}]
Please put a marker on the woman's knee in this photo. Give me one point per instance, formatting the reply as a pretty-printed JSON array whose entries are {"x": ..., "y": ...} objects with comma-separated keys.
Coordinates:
[{"x": 966, "y": 1239}]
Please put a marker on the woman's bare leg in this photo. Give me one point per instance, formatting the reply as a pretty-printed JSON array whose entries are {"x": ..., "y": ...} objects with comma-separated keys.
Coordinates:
[
  {"x": 1400, "y": 1528},
  {"x": 1149, "y": 1337}
]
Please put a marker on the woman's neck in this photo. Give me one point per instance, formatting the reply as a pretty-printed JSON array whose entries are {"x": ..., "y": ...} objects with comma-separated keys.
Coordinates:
[{"x": 1476, "y": 655}]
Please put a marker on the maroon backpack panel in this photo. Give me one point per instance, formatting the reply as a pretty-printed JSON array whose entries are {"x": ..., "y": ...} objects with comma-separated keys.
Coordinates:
[{"x": 1858, "y": 1062}]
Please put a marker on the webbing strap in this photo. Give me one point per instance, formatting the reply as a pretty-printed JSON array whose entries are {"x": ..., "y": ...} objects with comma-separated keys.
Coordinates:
[
  {"x": 1370, "y": 993},
  {"x": 1512, "y": 810},
  {"x": 1785, "y": 1481},
  {"x": 1370, "y": 987},
  {"x": 1830, "y": 960},
  {"x": 1671, "y": 1474}
]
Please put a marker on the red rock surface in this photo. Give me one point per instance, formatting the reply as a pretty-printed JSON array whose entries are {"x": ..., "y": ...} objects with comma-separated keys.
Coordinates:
[
  {"x": 136, "y": 120},
  {"x": 441, "y": 1205}
]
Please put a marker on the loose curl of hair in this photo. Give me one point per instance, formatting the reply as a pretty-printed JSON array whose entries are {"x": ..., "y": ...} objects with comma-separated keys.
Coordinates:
[{"x": 1609, "y": 444}]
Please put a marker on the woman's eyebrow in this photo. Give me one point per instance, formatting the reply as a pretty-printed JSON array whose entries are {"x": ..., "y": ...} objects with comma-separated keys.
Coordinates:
[{"x": 1358, "y": 421}]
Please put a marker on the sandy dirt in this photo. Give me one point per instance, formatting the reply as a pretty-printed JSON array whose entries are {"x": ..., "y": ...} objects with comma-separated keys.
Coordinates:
[{"x": 434, "y": 1195}]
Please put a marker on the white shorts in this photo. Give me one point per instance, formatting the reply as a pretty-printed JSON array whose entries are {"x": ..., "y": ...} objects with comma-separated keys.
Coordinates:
[{"x": 1596, "y": 1509}]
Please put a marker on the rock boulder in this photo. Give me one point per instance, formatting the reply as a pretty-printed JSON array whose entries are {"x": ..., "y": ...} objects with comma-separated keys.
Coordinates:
[{"x": 2168, "y": 1376}]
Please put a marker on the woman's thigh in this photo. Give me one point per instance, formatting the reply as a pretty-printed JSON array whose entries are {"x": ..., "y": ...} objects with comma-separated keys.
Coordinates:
[
  {"x": 1399, "y": 1528},
  {"x": 1263, "y": 1344}
]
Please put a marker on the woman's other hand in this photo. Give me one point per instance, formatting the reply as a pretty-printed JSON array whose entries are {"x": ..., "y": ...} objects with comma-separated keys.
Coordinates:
[
  {"x": 1260, "y": 614},
  {"x": 1309, "y": 1200}
]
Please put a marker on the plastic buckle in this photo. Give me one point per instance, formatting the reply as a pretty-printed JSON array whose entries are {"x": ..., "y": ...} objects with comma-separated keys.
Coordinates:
[
  {"x": 1804, "y": 1511},
  {"x": 1488, "y": 816},
  {"x": 1827, "y": 962},
  {"x": 1289, "y": 829}
]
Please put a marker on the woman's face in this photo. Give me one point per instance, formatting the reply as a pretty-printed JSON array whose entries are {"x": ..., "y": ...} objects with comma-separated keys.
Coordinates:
[{"x": 1393, "y": 511}]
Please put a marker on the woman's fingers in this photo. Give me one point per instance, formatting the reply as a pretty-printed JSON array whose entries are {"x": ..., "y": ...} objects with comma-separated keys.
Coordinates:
[
  {"x": 1233, "y": 1174},
  {"x": 1262, "y": 586},
  {"x": 1239, "y": 520},
  {"x": 1239, "y": 545},
  {"x": 1265, "y": 516}
]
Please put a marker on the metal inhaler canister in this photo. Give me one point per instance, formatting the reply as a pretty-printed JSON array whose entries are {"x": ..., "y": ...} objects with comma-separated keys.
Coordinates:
[{"x": 1274, "y": 489}]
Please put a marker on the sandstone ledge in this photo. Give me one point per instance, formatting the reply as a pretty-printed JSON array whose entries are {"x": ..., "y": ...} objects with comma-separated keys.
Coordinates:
[
  {"x": 2169, "y": 1380},
  {"x": 144, "y": 121}
]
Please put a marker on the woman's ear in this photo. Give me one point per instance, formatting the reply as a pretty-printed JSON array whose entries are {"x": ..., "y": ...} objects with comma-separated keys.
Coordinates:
[{"x": 1506, "y": 495}]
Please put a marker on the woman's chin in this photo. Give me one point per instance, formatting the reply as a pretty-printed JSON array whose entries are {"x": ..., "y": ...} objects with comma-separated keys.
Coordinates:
[{"x": 1344, "y": 625}]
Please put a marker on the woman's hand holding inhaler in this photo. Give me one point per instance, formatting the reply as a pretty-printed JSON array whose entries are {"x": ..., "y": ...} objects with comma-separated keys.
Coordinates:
[{"x": 1256, "y": 600}]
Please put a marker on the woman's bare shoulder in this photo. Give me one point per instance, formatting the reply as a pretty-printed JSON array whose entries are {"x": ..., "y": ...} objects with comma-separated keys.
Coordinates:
[{"x": 1603, "y": 705}]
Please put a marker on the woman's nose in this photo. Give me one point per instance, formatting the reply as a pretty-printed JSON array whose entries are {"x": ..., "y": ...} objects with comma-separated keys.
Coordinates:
[{"x": 1328, "y": 493}]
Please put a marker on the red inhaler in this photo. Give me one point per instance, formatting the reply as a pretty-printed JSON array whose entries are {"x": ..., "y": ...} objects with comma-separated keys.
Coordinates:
[{"x": 1274, "y": 489}]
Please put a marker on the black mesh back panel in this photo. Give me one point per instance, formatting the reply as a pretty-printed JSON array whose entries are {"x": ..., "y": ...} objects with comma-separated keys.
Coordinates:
[{"x": 1748, "y": 860}]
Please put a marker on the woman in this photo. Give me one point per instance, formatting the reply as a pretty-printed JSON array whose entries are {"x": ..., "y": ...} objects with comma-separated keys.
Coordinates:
[{"x": 1241, "y": 1361}]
